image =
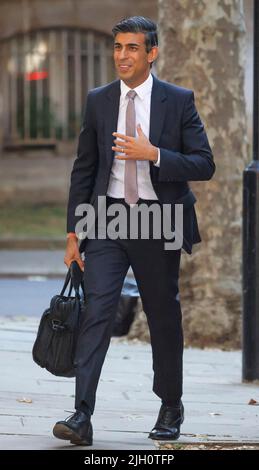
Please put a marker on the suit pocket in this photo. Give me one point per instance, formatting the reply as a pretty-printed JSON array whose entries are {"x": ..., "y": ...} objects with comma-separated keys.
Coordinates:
[{"x": 187, "y": 200}]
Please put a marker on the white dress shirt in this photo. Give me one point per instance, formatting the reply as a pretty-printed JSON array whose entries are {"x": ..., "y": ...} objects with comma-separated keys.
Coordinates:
[{"x": 142, "y": 107}]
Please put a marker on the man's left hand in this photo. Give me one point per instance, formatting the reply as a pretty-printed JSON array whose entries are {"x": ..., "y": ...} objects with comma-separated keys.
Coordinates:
[{"x": 134, "y": 148}]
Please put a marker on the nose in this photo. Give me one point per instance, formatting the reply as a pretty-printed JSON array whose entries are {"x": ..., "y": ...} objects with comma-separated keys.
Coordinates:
[{"x": 123, "y": 53}]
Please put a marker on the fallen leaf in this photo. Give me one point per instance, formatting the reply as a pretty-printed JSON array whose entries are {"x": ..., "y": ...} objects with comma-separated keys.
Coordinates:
[
  {"x": 253, "y": 402},
  {"x": 24, "y": 400},
  {"x": 131, "y": 417}
]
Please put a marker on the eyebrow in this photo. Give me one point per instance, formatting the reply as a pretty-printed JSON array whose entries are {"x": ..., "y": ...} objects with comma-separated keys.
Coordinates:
[{"x": 129, "y": 44}]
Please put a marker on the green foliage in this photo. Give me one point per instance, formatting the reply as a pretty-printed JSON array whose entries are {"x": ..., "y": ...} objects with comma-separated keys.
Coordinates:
[{"x": 33, "y": 221}]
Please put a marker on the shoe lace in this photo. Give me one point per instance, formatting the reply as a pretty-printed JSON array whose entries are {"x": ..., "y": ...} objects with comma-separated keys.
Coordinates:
[{"x": 73, "y": 415}]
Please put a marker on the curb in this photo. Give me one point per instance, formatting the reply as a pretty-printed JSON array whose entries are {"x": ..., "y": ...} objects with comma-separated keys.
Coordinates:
[{"x": 41, "y": 243}]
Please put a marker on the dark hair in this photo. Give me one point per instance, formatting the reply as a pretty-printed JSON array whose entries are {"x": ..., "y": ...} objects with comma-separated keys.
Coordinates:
[{"x": 138, "y": 24}]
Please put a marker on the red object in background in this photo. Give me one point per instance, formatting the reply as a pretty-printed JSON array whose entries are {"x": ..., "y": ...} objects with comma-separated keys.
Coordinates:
[{"x": 36, "y": 75}]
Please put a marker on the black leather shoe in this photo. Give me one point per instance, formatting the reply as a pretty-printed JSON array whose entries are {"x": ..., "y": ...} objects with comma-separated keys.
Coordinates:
[
  {"x": 77, "y": 429},
  {"x": 168, "y": 423}
]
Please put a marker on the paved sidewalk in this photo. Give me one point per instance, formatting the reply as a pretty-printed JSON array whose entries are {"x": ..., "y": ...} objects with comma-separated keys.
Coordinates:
[{"x": 31, "y": 400}]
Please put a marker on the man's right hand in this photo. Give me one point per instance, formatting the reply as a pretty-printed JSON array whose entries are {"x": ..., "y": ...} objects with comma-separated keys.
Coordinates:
[{"x": 72, "y": 253}]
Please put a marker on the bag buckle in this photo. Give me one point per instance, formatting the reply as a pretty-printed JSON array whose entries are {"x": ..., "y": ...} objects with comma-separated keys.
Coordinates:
[{"x": 57, "y": 325}]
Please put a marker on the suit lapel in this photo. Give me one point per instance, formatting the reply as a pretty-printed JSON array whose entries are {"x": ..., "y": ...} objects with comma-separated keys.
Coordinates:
[
  {"x": 157, "y": 111},
  {"x": 157, "y": 118},
  {"x": 111, "y": 112}
]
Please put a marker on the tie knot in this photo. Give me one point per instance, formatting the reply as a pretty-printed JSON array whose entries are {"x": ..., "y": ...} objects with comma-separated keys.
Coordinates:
[{"x": 131, "y": 94}]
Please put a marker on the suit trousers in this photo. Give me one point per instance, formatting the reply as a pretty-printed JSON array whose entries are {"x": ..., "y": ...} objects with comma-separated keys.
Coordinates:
[{"x": 156, "y": 272}]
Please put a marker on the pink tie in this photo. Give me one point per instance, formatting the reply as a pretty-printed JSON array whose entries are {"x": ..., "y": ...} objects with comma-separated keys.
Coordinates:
[{"x": 130, "y": 175}]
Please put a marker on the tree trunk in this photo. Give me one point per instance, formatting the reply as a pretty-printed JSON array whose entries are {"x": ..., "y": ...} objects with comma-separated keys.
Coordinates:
[{"x": 202, "y": 48}]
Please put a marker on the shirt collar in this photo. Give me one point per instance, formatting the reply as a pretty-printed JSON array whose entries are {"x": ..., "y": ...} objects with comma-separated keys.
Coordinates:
[{"x": 141, "y": 90}]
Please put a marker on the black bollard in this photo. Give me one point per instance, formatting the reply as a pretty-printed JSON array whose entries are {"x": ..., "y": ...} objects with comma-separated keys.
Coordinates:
[{"x": 250, "y": 370}]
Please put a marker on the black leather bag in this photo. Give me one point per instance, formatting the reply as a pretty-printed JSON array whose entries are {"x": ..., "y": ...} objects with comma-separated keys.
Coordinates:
[{"x": 55, "y": 344}]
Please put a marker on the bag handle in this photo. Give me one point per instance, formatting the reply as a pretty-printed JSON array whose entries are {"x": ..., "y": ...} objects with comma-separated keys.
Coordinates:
[
  {"x": 66, "y": 282},
  {"x": 75, "y": 278}
]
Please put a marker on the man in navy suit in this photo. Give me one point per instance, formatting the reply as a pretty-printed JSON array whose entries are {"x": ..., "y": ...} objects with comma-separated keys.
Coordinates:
[{"x": 141, "y": 141}]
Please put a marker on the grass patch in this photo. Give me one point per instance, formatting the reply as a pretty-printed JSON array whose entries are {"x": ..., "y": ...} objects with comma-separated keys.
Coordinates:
[{"x": 33, "y": 221}]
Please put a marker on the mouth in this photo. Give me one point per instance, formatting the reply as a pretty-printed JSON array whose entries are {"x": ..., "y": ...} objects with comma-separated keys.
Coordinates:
[{"x": 124, "y": 68}]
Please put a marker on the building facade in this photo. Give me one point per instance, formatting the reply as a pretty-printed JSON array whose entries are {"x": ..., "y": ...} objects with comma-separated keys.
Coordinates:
[{"x": 51, "y": 53}]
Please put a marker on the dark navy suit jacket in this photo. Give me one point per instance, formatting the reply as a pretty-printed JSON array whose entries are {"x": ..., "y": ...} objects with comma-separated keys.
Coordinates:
[{"x": 175, "y": 127}]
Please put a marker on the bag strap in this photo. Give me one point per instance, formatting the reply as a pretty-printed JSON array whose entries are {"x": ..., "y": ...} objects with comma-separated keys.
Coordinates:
[
  {"x": 67, "y": 280},
  {"x": 75, "y": 278}
]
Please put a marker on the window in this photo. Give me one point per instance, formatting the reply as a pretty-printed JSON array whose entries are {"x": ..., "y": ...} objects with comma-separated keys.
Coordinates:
[{"x": 46, "y": 78}]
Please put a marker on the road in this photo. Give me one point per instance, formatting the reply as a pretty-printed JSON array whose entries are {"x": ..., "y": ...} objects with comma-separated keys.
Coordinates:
[{"x": 27, "y": 297}]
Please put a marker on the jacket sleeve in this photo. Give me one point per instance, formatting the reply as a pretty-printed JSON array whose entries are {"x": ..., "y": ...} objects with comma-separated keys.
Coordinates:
[
  {"x": 85, "y": 166},
  {"x": 195, "y": 162}
]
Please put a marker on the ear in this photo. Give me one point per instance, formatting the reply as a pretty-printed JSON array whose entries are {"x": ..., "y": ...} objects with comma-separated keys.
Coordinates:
[{"x": 152, "y": 55}]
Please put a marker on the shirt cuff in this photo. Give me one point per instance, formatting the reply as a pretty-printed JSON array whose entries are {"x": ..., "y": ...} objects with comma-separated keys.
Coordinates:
[
  {"x": 72, "y": 235},
  {"x": 158, "y": 158}
]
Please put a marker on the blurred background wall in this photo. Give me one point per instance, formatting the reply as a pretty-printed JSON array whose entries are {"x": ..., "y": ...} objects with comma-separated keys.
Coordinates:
[{"x": 51, "y": 53}]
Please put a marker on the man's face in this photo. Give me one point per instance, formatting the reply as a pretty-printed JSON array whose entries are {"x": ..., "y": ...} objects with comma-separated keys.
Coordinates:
[{"x": 131, "y": 59}]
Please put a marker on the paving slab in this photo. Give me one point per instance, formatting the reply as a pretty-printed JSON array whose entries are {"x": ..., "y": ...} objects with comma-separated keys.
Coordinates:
[{"x": 32, "y": 400}]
